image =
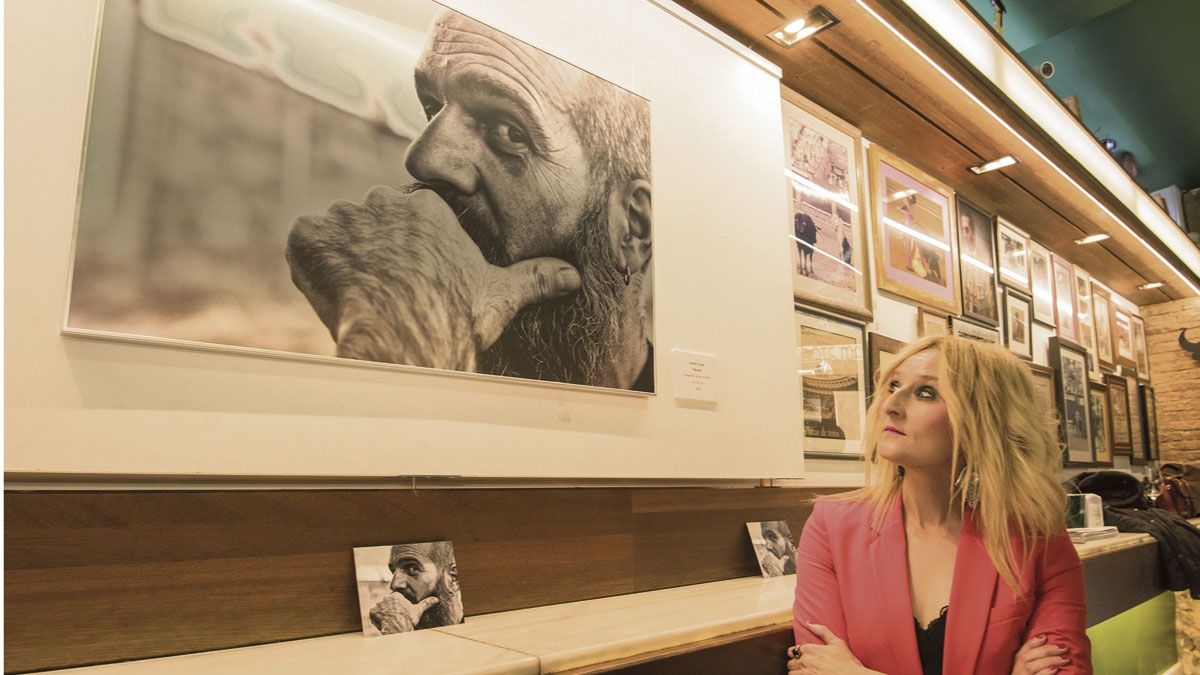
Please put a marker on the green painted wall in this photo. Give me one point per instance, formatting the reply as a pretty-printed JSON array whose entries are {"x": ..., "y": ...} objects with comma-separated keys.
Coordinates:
[
  {"x": 1138, "y": 641},
  {"x": 1135, "y": 66}
]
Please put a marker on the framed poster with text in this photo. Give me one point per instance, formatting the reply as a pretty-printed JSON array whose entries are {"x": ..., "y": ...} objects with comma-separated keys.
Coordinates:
[{"x": 832, "y": 377}]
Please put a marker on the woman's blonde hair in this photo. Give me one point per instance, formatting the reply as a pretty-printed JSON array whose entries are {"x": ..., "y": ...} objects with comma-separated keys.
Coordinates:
[{"x": 1000, "y": 433}]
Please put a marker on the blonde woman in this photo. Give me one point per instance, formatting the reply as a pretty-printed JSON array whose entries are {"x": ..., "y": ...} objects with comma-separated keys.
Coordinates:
[{"x": 954, "y": 557}]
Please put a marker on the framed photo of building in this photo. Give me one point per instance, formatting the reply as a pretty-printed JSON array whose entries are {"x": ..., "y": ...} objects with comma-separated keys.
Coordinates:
[
  {"x": 1118, "y": 398},
  {"x": 1100, "y": 419},
  {"x": 1043, "y": 391},
  {"x": 1137, "y": 423},
  {"x": 1139, "y": 348},
  {"x": 832, "y": 377},
  {"x": 916, "y": 251},
  {"x": 827, "y": 234},
  {"x": 977, "y": 254},
  {"x": 1102, "y": 320},
  {"x": 1042, "y": 280},
  {"x": 1066, "y": 320},
  {"x": 1018, "y": 324},
  {"x": 1122, "y": 324},
  {"x": 1012, "y": 247},
  {"x": 963, "y": 328},
  {"x": 1150, "y": 422},
  {"x": 882, "y": 351},
  {"x": 931, "y": 322},
  {"x": 1071, "y": 394},
  {"x": 245, "y": 189},
  {"x": 1083, "y": 316}
]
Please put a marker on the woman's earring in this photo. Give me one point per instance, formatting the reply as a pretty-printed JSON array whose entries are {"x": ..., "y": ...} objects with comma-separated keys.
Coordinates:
[
  {"x": 901, "y": 470},
  {"x": 972, "y": 488}
]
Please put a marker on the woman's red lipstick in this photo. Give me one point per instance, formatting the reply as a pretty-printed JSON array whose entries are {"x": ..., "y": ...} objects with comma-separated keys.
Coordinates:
[{"x": 894, "y": 430}]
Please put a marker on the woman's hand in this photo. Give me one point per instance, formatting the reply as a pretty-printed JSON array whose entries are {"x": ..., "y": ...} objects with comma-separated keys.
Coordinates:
[
  {"x": 831, "y": 658},
  {"x": 1038, "y": 658}
]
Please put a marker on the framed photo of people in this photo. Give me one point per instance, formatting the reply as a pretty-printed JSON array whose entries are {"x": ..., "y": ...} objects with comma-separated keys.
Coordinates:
[
  {"x": 1149, "y": 422},
  {"x": 916, "y": 250},
  {"x": 932, "y": 322},
  {"x": 1118, "y": 398},
  {"x": 1140, "y": 357},
  {"x": 1100, "y": 421},
  {"x": 1066, "y": 321},
  {"x": 882, "y": 351},
  {"x": 977, "y": 253},
  {"x": 827, "y": 233},
  {"x": 1018, "y": 323},
  {"x": 963, "y": 328},
  {"x": 1102, "y": 320},
  {"x": 1122, "y": 328},
  {"x": 1041, "y": 279},
  {"x": 1012, "y": 249},
  {"x": 280, "y": 189},
  {"x": 1069, "y": 361},
  {"x": 832, "y": 378}
]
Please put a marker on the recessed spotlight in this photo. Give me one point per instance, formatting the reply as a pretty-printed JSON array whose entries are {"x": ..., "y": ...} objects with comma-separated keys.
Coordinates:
[
  {"x": 1091, "y": 239},
  {"x": 1151, "y": 286},
  {"x": 998, "y": 163},
  {"x": 817, "y": 20}
]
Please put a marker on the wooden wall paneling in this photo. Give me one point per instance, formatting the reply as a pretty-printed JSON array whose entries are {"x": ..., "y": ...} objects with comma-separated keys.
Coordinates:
[{"x": 95, "y": 577}]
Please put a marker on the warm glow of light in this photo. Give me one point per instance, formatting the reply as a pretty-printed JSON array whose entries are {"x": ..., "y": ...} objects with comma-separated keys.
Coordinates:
[
  {"x": 999, "y": 163},
  {"x": 1151, "y": 286},
  {"x": 1091, "y": 239},
  {"x": 794, "y": 27},
  {"x": 978, "y": 264},
  {"x": 916, "y": 234},
  {"x": 805, "y": 185}
]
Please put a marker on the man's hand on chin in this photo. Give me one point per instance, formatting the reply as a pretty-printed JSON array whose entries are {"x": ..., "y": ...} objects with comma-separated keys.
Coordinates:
[
  {"x": 396, "y": 279},
  {"x": 395, "y": 614}
]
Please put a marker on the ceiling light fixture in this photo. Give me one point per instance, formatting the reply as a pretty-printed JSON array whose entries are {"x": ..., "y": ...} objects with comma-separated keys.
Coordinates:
[
  {"x": 1151, "y": 286},
  {"x": 1091, "y": 239},
  {"x": 998, "y": 163},
  {"x": 817, "y": 20}
]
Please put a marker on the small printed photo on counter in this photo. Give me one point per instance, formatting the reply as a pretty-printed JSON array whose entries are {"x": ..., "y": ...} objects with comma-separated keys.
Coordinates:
[
  {"x": 407, "y": 587},
  {"x": 774, "y": 546}
]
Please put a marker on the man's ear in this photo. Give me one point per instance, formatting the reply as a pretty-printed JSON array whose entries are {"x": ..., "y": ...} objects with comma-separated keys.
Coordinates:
[{"x": 629, "y": 220}]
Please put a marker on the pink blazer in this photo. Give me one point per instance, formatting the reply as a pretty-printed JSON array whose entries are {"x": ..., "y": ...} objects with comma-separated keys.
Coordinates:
[{"x": 854, "y": 579}]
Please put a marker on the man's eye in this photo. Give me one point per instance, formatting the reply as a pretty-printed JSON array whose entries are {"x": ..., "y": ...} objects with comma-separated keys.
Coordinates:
[
  {"x": 412, "y": 569},
  {"x": 431, "y": 106},
  {"x": 508, "y": 138}
]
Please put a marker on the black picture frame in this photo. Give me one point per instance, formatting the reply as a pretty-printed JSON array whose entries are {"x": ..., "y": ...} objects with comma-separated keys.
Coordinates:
[
  {"x": 1070, "y": 363},
  {"x": 977, "y": 262},
  {"x": 1013, "y": 298}
]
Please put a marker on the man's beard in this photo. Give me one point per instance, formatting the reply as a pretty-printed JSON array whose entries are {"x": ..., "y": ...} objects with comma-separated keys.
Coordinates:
[
  {"x": 574, "y": 339},
  {"x": 448, "y": 611}
]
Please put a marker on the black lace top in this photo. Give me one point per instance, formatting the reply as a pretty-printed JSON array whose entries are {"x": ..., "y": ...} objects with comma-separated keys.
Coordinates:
[{"x": 930, "y": 642}]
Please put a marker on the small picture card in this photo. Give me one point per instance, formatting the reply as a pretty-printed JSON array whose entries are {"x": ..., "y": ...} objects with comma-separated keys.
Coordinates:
[
  {"x": 774, "y": 547},
  {"x": 407, "y": 587}
]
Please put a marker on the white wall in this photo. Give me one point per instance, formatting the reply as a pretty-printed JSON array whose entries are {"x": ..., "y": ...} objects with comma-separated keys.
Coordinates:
[{"x": 722, "y": 287}]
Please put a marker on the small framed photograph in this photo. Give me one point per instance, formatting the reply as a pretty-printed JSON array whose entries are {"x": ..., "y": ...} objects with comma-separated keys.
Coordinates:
[
  {"x": 1150, "y": 422},
  {"x": 407, "y": 587},
  {"x": 1012, "y": 245},
  {"x": 916, "y": 250},
  {"x": 1083, "y": 316},
  {"x": 932, "y": 322},
  {"x": 1122, "y": 324},
  {"x": 1118, "y": 398},
  {"x": 962, "y": 328},
  {"x": 832, "y": 372},
  {"x": 1018, "y": 326},
  {"x": 1070, "y": 365},
  {"x": 1042, "y": 280},
  {"x": 774, "y": 546},
  {"x": 882, "y": 351},
  {"x": 1102, "y": 320},
  {"x": 1065, "y": 320},
  {"x": 1140, "y": 356},
  {"x": 827, "y": 236},
  {"x": 977, "y": 253},
  {"x": 1100, "y": 416},
  {"x": 1043, "y": 391}
]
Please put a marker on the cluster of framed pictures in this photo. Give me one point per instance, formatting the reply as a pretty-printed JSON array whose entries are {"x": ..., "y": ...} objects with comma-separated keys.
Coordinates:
[{"x": 971, "y": 273}]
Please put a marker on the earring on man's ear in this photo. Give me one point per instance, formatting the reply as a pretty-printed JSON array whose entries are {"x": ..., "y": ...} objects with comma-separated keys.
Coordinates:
[
  {"x": 625, "y": 274},
  {"x": 901, "y": 471}
]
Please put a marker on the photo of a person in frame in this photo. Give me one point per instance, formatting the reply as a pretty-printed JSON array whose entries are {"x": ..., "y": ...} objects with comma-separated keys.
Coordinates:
[{"x": 408, "y": 587}]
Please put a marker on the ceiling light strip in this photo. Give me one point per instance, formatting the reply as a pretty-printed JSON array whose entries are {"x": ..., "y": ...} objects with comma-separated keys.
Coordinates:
[{"x": 1193, "y": 260}]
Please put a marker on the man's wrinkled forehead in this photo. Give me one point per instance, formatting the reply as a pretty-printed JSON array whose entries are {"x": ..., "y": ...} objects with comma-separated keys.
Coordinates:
[
  {"x": 457, "y": 40},
  {"x": 402, "y": 551}
]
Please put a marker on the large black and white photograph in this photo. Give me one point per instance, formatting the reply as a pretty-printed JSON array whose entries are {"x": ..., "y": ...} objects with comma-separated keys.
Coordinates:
[
  {"x": 1071, "y": 370},
  {"x": 407, "y": 587},
  {"x": 304, "y": 179},
  {"x": 774, "y": 547}
]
